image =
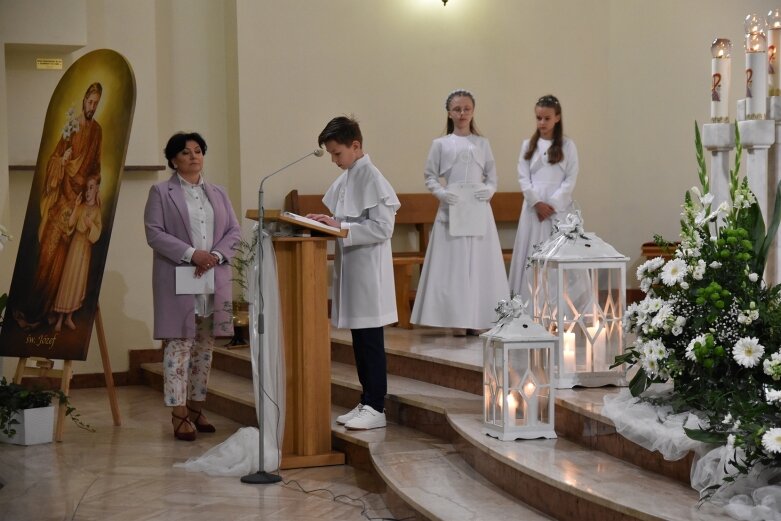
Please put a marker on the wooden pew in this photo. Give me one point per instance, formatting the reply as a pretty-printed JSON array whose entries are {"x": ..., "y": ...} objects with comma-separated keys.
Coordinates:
[{"x": 419, "y": 210}]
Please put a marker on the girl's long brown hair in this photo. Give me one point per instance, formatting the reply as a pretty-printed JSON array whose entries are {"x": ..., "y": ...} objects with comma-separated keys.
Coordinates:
[{"x": 555, "y": 152}]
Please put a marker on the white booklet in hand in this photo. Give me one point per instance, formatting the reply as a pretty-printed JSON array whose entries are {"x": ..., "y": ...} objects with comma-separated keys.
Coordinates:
[
  {"x": 187, "y": 284},
  {"x": 468, "y": 217}
]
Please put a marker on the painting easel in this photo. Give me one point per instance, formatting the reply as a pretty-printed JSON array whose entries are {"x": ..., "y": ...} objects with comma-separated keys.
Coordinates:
[{"x": 44, "y": 367}]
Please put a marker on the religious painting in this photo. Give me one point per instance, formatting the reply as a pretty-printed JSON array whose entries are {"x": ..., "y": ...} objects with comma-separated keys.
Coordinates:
[{"x": 62, "y": 251}]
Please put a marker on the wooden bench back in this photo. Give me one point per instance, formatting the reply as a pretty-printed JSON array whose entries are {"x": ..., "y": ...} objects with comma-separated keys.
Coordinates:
[{"x": 418, "y": 208}]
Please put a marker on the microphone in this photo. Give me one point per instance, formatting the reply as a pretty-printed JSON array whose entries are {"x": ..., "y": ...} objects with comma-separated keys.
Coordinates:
[
  {"x": 261, "y": 476},
  {"x": 317, "y": 153}
]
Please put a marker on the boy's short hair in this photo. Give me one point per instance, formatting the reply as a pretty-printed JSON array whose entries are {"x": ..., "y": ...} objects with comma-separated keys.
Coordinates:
[{"x": 341, "y": 129}]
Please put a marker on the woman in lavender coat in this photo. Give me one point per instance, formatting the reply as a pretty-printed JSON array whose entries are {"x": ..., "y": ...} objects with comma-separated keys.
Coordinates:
[{"x": 189, "y": 222}]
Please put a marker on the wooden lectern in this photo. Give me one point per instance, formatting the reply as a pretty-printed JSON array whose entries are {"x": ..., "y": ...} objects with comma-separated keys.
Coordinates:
[{"x": 303, "y": 287}]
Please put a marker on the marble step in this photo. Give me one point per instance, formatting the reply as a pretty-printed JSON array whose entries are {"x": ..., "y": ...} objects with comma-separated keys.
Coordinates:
[
  {"x": 578, "y": 411},
  {"x": 430, "y": 476},
  {"x": 405, "y": 459},
  {"x": 566, "y": 480}
]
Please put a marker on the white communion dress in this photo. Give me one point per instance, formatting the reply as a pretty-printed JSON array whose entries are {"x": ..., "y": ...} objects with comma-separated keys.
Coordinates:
[
  {"x": 540, "y": 182},
  {"x": 463, "y": 277}
]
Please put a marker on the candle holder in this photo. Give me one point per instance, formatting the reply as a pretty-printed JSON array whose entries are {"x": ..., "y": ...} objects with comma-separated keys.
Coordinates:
[
  {"x": 721, "y": 51},
  {"x": 579, "y": 294},
  {"x": 517, "y": 375}
]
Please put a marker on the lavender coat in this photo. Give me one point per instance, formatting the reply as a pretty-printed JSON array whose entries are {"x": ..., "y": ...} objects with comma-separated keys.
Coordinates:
[{"x": 168, "y": 233}]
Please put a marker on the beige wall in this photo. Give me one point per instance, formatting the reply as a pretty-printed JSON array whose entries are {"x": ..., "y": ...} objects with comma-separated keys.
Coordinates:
[{"x": 261, "y": 78}]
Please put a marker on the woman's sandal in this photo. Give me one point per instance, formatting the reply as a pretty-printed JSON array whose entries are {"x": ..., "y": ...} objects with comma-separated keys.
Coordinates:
[
  {"x": 202, "y": 427},
  {"x": 184, "y": 436}
]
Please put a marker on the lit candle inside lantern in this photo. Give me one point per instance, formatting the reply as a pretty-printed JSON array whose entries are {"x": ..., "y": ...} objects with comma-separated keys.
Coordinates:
[
  {"x": 531, "y": 399},
  {"x": 512, "y": 408},
  {"x": 597, "y": 341},
  {"x": 756, "y": 67},
  {"x": 721, "y": 50},
  {"x": 569, "y": 352},
  {"x": 773, "y": 47}
]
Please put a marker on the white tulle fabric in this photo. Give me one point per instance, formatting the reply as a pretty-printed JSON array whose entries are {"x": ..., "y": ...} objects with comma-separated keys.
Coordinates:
[
  {"x": 238, "y": 455},
  {"x": 752, "y": 497}
]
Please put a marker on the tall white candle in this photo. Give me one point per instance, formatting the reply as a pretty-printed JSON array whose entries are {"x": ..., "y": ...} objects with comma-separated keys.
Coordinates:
[
  {"x": 531, "y": 400},
  {"x": 773, "y": 48},
  {"x": 569, "y": 352},
  {"x": 721, "y": 65},
  {"x": 756, "y": 67},
  {"x": 512, "y": 409}
]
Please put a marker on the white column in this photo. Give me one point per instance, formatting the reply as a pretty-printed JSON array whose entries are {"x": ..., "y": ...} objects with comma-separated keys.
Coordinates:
[
  {"x": 757, "y": 136},
  {"x": 719, "y": 140},
  {"x": 773, "y": 178}
]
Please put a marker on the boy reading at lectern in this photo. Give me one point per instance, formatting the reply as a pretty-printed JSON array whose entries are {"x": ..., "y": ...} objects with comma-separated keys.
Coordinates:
[{"x": 362, "y": 201}]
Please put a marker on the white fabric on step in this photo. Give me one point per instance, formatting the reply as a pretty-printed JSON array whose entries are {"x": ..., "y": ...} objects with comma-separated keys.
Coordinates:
[{"x": 752, "y": 497}]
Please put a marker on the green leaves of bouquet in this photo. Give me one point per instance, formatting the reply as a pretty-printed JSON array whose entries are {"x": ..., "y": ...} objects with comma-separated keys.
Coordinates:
[{"x": 709, "y": 324}]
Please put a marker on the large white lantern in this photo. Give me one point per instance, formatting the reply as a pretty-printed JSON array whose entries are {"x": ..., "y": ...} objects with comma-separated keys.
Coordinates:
[
  {"x": 517, "y": 376},
  {"x": 579, "y": 294}
]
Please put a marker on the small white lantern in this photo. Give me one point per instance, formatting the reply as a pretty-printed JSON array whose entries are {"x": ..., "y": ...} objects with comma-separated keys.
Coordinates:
[
  {"x": 579, "y": 294},
  {"x": 517, "y": 376}
]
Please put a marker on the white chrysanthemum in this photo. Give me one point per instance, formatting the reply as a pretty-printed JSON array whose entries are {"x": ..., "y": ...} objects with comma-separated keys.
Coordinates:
[
  {"x": 674, "y": 272},
  {"x": 650, "y": 365},
  {"x": 662, "y": 315},
  {"x": 753, "y": 277},
  {"x": 771, "y": 441},
  {"x": 645, "y": 284},
  {"x": 698, "y": 271},
  {"x": 772, "y": 395},
  {"x": 655, "y": 349},
  {"x": 690, "y": 348},
  {"x": 748, "y": 351}
]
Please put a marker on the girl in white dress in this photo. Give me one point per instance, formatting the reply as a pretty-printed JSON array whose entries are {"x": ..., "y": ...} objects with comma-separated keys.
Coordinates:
[
  {"x": 547, "y": 171},
  {"x": 463, "y": 275}
]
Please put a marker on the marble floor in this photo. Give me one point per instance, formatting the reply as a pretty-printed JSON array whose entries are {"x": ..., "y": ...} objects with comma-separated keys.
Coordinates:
[{"x": 125, "y": 473}]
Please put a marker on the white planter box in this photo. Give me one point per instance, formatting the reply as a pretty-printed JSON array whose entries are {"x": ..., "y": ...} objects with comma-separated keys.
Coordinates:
[{"x": 35, "y": 426}]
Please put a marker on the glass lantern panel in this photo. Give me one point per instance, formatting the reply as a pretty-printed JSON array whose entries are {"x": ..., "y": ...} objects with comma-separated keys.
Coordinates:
[
  {"x": 539, "y": 365},
  {"x": 543, "y": 405},
  {"x": 493, "y": 378},
  {"x": 517, "y": 366}
]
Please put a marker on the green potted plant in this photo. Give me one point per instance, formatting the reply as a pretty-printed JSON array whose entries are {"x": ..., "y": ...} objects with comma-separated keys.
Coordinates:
[
  {"x": 27, "y": 415},
  {"x": 242, "y": 263}
]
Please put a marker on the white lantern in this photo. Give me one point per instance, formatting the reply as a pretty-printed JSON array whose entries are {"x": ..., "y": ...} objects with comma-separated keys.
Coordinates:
[
  {"x": 517, "y": 376},
  {"x": 579, "y": 294}
]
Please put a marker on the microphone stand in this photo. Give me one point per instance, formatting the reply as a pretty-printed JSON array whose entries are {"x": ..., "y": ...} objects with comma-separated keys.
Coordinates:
[{"x": 261, "y": 477}]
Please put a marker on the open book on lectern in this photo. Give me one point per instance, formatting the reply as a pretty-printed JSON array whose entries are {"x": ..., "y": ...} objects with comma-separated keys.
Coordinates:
[{"x": 311, "y": 224}]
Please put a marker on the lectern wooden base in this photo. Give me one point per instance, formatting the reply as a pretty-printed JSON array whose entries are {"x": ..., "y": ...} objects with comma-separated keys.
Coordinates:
[{"x": 303, "y": 288}]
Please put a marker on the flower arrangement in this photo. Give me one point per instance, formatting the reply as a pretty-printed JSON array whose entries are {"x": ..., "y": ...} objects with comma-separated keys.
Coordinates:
[{"x": 708, "y": 324}]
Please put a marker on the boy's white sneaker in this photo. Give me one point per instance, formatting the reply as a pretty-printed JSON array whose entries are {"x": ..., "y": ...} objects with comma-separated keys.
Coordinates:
[
  {"x": 344, "y": 418},
  {"x": 367, "y": 418}
]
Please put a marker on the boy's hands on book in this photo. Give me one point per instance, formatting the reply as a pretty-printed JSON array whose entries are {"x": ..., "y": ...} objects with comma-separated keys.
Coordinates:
[{"x": 325, "y": 219}]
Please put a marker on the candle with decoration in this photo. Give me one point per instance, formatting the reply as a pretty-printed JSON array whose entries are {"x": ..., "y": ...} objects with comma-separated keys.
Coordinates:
[
  {"x": 756, "y": 66},
  {"x": 773, "y": 46},
  {"x": 721, "y": 50}
]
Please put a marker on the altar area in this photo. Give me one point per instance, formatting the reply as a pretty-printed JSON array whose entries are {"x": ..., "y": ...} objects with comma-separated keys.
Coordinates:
[{"x": 432, "y": 461}]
